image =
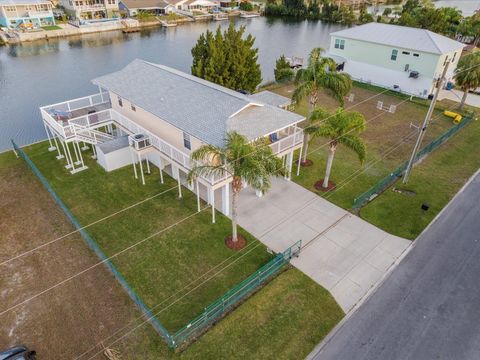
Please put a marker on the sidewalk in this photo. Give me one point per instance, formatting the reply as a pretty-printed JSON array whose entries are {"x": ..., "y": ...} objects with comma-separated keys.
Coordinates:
[
  {"x": 456, "y": 95},
  {"x": 343, "y": 253}
]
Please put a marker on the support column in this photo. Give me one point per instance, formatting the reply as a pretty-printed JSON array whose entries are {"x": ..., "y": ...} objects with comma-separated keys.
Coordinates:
[
  {"x": 85, "y": 147},
  {"x": 76, "y": 154},
  {"x": 59, "y": 156},
  {"x": 299, "y": 160},
  {"x": 212, "y": 203},
  {"x": 141, "y": 168},
  {"x": 69, "y": 155},
  {"x": 148, "y": 164},
  {"x": 289, "y": 165},
  {"x": 179, "y": 184},
  {"x": 51, "y": 148},
  {"x": 160, "y": 167},
  {"x": 94, "y": 156},
  {"x": 80, "y": 155},
  {"x": 198, "y": 195},
  {"x": 226, "y": 199},
  {"x": 134, "y": 163}
]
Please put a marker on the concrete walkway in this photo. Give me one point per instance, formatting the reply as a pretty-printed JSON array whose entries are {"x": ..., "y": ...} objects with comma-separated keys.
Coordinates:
[{"x": 342, "y": 252}]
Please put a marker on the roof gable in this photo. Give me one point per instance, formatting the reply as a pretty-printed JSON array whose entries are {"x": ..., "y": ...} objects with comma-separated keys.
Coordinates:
[
  {"x": 401, "y": 36},
  {"x": 198, "y": 107}
]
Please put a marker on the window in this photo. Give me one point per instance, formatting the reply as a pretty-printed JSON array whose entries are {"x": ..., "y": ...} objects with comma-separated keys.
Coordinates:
[
  {"x": 405, "y": 53},
  {"x": 186, "y": 141},
  {"x": 339, "y": 44},
  {"x": 120, "y": 102},
  {"x": 416, "y": 55},
  {"x": 133, "y": 107},
  {"x": 394, "y": 55}
]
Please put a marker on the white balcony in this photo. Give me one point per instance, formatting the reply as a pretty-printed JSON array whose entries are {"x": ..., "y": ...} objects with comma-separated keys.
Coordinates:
[{"x": 79, "y": 119}]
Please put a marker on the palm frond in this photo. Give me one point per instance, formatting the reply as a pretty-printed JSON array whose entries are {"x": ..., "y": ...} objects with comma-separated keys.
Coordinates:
[{"x": 356, "y": 144}]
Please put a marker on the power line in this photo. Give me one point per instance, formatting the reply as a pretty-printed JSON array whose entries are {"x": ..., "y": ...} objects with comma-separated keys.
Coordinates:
[
  {"x": 84, "y": 227},
  {"x": 174, "y": 294},
  {"x": 178, "y": 299},
  {"x": 99, "y": 263}
]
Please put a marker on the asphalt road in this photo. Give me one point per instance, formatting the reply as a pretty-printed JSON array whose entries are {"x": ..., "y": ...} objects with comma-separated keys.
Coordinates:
[{"x": 429, "y": 307}]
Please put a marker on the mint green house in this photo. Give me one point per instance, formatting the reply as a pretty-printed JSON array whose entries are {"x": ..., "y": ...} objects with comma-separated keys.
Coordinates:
[
  {"x": 397, "y": 57},
  {"x": 26, "y": 14}
]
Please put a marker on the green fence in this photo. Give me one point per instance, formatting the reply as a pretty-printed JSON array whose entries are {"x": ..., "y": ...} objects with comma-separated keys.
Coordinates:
[
  {"x": 387, "y": 181},
  {"x": 234, "y": 296},
  {"x": 212, "y": 313}
]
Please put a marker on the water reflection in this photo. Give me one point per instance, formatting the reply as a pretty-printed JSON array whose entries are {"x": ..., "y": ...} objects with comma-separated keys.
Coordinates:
[
  {"x": 36, "y": 48},
  {"x": 45, "y": 72}
]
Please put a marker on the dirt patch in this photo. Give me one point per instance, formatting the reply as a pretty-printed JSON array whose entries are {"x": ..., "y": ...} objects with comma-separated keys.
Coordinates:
[
  {"x": 319, "y": 186},
  {"x": 237, "y": 245},
  {"x": 306, "y": 163},
  {"x": 73, "y": 317}
]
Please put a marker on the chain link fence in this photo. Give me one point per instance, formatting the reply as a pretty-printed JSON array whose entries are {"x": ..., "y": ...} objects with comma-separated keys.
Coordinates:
[
  {"x": 212, "y": 313},
  {"x": 387, "y": 181}
]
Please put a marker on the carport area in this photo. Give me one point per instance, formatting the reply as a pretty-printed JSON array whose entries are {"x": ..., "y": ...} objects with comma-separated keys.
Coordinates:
[{"x": 343, "y": 253}]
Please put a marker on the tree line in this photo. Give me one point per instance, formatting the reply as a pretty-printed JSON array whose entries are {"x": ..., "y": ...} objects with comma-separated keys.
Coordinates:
[{"x": 447, "y": 21}]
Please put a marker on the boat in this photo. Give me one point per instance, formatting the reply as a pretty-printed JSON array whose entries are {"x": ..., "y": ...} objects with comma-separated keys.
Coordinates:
[
  {"x": 220, "y": 17},
  {"x": 248, "y": 15},
  {"x": 168, "y": 24}
]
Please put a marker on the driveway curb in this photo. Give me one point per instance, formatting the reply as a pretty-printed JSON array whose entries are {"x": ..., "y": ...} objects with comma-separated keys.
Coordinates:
[{"x": 372, "y": 290}]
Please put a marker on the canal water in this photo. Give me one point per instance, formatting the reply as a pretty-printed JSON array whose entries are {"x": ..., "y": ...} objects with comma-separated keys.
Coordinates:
[{"x": 46, "y": 72}]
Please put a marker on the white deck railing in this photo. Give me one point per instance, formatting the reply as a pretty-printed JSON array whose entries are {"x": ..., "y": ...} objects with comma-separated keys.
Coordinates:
[
  {"x": 83, "y": 128},
  {"x": 294, "y": 137}
]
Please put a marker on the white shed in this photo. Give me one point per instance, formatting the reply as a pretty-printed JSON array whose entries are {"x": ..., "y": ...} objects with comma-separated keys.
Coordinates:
[{"x": 114, "y": 154}]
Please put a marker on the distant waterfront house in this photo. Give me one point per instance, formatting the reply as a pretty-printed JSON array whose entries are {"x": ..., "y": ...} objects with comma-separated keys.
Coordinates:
[
  {"x": 398, "y": 57},
  {"x": 155, "y": 7},
  {"x": 148, "y": 113},
  {"x": 91, "y": 9},
  {"x": 190, "y": 5},
  {"x": 26, "y": 14}
]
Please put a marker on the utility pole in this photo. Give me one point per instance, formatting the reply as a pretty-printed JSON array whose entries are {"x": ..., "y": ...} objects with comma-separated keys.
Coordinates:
[{"x": 421, "y": 133}]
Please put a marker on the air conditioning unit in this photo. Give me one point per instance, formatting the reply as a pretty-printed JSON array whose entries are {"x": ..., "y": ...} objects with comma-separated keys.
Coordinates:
[
  {"x": 413, "y": 74},
  {"x": 139, "y": 141}
]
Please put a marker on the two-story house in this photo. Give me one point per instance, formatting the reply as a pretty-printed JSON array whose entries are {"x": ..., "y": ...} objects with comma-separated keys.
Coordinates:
[
  {"x": 91, "y": 9},
  {"x": 157, "y": 115},
  {"x": 26, "y": 14},
  {"x": 397, "y": 57}
]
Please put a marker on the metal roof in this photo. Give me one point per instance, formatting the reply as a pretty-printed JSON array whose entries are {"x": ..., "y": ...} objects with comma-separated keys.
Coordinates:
[
  {"x": 271, "y": 98},
  {"x": 402, "y": 37},
  {"x": 200, "y": 108}
]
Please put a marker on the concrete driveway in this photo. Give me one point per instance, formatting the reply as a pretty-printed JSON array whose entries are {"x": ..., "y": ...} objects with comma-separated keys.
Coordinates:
[{"x": 342, "y": 252}]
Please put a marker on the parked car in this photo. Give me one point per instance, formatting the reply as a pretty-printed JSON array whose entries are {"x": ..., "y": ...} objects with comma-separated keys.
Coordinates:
[
  {"x": 18, "y": 353},
  {"x": 475, "y": 91}
]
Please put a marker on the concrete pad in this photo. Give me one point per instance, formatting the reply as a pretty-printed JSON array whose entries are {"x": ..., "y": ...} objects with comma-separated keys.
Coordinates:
[
  {"x": 347, "y": 294},
  {"x": 365, "y": 275},
  {"x": 343, "y": 253},
  {"x": 380, "y": 259}
]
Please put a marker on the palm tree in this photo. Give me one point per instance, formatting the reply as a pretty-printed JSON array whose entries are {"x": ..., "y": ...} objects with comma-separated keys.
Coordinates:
[
  {"x": 320, "y": 73},
  {"x": 339, "y": 127},
  {"x": 252, "y": 163},
  {"x": 467, "y": 74}
]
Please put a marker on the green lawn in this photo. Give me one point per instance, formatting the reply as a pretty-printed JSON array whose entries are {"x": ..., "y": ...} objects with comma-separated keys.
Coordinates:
[
  {"x": 51, "y": 27},
  {"x": 164, "y": 264},
  {"x": 284, "y": 320},
  {"x": 434, "y": 181},
  {"x": 384, "y": 136}
]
